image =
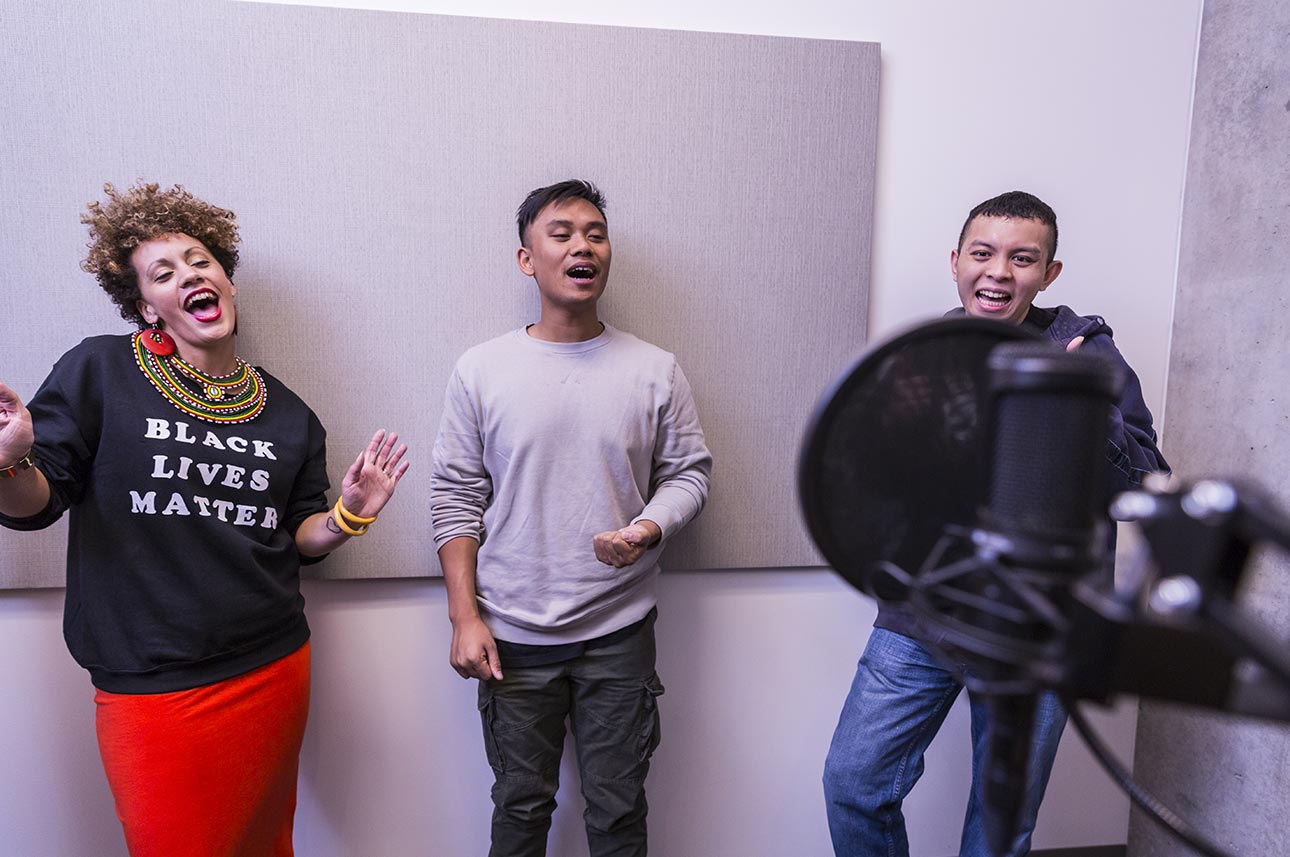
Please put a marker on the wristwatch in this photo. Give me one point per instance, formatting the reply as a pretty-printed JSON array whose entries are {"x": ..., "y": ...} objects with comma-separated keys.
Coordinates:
[{"x": 21, "y": 464}]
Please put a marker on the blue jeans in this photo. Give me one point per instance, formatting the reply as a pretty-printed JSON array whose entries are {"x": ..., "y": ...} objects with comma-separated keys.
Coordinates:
[
  {"x": 609, "y": 696},
  {"x": 898, "y": 700}
]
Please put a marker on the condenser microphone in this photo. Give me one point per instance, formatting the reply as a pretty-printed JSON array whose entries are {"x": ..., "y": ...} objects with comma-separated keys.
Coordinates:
[
  {"x": 960, "y": 476},
  {"x": 1050, "y": 413},
  {"x": 1042, "y": 524},
  {"x": 1043, "y": 527}
]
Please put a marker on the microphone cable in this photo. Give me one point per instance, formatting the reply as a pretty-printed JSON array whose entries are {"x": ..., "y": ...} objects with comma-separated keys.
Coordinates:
[{"x": 1147, "y": 802}]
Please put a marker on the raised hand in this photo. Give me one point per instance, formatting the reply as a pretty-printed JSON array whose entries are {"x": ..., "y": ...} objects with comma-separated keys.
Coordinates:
[
  {"x": 371, "y": 479},
  {"x": 16, "y": 433}
]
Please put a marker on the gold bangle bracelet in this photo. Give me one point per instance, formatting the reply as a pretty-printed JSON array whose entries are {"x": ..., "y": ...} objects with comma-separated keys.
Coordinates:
[
  {"x": 350, "y": 516},
  {"x": 340, "y": 522}
]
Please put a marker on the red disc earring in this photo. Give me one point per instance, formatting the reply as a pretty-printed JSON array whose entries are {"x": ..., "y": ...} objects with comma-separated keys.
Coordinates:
[{"x": 158, "y": 342}]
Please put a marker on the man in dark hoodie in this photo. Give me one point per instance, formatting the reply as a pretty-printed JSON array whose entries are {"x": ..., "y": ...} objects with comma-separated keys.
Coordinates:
[{"x": 1005, "y": 257}]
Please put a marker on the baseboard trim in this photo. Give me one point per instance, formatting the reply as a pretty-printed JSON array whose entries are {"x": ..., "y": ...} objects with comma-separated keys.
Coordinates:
[{"x": 1087, "y": 851}]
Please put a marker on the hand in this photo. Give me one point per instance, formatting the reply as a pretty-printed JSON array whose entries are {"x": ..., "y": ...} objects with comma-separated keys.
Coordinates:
[
  {"x": 474, "y": 651},
  {"x": 371, "y": 479},
  {"x": 16, "y": 432},
  {"x": 623, "y": 547},
  {"x": 1075, "y": 343}
]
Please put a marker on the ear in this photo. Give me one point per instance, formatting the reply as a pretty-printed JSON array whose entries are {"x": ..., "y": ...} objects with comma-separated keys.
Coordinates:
[
  {"x": 232, "y": 289},
  {"x": 1050, "y": 273},
  {"x": 525, "y": 260},
  {"x": 145, "y": 309},
  {"x": 954, "y": 265}
]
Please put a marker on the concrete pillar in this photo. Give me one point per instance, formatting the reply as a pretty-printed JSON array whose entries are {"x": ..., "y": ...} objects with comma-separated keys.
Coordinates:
[{"x": 1228, "y": 406}]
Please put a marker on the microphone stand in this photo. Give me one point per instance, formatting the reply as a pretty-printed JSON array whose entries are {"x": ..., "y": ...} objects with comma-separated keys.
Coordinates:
[
  {"x": 1181, "y": 607},
  {"x": 1010, "y": 607}
]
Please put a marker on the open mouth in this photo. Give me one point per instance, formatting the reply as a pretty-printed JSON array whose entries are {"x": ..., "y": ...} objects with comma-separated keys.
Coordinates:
[
  {"x": 203, "y": 305},
  {"x": 581, "y": 272},
  {"x": 993, "y": 299}
]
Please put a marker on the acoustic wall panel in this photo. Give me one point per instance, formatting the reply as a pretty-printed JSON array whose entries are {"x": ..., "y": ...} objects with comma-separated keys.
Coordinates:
[{"x": 375, "y": 161}]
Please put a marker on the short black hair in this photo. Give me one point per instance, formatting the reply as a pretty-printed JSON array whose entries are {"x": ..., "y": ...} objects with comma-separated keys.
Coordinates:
[
  {"x": 544, "y": 196},
  {"x": 1015, "y": 205}
]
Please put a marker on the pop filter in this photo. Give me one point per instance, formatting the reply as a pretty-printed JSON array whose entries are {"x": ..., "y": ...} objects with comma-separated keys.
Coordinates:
[{"x": 898, "y": 449}]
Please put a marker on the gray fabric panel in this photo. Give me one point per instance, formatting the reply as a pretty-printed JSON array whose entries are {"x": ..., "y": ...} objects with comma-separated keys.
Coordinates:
[{"x": 375, "y": 161}]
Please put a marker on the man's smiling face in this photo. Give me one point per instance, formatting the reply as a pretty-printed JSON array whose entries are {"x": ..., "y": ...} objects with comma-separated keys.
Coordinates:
[
  {"x": 568, "y": 253},
  {"x": 1002, "y": 264}
]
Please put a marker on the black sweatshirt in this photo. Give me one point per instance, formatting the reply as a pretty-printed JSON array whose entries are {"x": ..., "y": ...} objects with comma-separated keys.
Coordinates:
[{"x": 182, "y": 567}]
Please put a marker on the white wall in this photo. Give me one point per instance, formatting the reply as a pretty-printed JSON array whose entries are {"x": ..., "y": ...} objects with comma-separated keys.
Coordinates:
[{"x": 1084, "y": 104}]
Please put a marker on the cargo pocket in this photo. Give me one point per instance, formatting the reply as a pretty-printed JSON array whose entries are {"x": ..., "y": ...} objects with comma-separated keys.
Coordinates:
[
  {"x": 650, "y": 734},
  {"x": 488, "y": 718}
]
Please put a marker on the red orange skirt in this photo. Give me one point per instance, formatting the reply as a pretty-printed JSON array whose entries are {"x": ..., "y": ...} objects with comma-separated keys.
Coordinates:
[{"x": 211, "y": 771}]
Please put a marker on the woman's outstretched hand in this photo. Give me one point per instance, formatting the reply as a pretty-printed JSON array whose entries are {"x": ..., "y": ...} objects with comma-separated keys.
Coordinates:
[
  {"x": 16, "y": 433},
  {"x": 29, "y": 493},
  {"x": 370, "y": 481}
]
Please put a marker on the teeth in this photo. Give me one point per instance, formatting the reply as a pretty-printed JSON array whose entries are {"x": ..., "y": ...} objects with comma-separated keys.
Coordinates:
[
  {"x": 198, "y": 297},
  {"x": 994, "y": 296}
]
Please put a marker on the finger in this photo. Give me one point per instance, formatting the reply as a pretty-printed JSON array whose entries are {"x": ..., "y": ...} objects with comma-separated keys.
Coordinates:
[
  {"x": 399, "y": 471},
  {"x": 393, "y": 460},
  {"x": 621, "y": 548},
  {"x": 1075, "y": 343},
  {"x": 493, "y": 660},
  {"x": 479, "y": 666},
  {"x": 375, "y": 445},
  {"x": 383, "y": 452},
  {"x": 390, "y": 440},
  {"x": 8, "y": 398},
  {"x": 354, "y": 471}
]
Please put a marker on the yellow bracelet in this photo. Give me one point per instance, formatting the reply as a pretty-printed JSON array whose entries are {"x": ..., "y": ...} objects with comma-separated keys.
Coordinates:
[
  {"x": 350, "y": 516},
  {"x": 340, "y": 522}
]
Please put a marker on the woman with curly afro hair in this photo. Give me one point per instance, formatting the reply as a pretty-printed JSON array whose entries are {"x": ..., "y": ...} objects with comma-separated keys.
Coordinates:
[{"x": 196, "y": 485}]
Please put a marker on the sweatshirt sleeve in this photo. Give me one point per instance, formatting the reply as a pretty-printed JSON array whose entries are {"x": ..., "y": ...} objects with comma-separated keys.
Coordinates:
[
  {"x": 682, "y": 468},
  {"x": 309, "y": 491},
  {"x": 1131, "y": 445},
  {"x": 460, "y": 486},
  {"x": 66, "y": 414}
]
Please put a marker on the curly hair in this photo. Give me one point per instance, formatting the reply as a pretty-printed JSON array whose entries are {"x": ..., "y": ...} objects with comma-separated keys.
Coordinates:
[{"x": 142, "y": 213}]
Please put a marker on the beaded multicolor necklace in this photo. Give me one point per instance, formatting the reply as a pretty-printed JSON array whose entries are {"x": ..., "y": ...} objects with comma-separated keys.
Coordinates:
[{"x": 237, "y": 397}]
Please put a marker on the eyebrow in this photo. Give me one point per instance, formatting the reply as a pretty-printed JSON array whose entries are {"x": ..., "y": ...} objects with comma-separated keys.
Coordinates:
[
  {"x": 187, "y": 254},
  {"x": 1025, "y": 248},
  {"x": 154, "y": 263},
  {"x": 568, "y": 224}
]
